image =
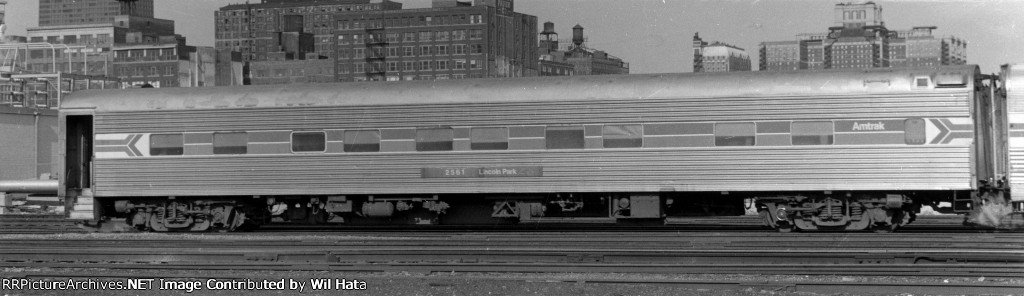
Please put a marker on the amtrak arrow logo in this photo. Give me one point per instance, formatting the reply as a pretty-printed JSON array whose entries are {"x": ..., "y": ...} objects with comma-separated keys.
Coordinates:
[
  {"x": 948, "y": 131},
  {"x": 119, "y": 143}
]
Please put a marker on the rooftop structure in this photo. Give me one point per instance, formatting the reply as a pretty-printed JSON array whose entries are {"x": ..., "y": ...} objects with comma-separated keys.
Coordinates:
[
  {"x": 718, "y": 57},
  {"x": 859, "y": 39},
  {"x": 87, "y": 12}
]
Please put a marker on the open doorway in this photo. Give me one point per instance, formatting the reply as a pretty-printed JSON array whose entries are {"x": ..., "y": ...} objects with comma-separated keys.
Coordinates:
[{"x": 78, "y": 159}]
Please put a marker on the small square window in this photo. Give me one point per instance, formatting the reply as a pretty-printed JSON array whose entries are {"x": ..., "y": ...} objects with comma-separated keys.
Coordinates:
[
  {"x": 167, "y": 144},
  {"x": 488, "y": 138},
  {"x": 230, "y": 143},
  {"x": 434, "y": 139},
  {"x": 623, "y": 136},
  {"x": 362, "y": 141},
  {"x": 734, "y": 134},
  {"x": 813, "y": 133},
  {"x": 564, "y": 137},
  {"x": 308, "y": 142}
]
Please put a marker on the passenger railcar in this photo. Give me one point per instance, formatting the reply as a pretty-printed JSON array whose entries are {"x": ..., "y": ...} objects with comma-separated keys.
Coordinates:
[{"x": 840, "y": 150}]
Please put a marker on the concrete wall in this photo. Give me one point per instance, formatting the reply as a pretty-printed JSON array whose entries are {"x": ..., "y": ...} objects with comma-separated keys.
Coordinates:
[{"x": 27, "y": 147}]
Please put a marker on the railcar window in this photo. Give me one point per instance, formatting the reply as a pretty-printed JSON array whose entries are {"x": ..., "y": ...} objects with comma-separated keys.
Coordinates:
[
  {"x": 166, "y": 144},
  {"x": 230, "y": 143},
  {"x": 434, "y": 139},
  {"x": 813, "y": 133},
  {"x": 488, "y": 138},
  {"x": 564, "y": 137},
  {"x": 915, "y": 131},
  {"x": 734, "y": 134},
  {"x": 309, "y": 142},
  {"x": 623, "y": 136},
  {"x": 362, "y": 141}
]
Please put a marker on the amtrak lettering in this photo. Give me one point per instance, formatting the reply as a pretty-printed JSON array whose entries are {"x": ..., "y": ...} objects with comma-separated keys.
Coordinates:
[
  {"x": 880, "y": 126},
  {"x": 482, "y": 172},
  {"x": 870, "y": 126}
]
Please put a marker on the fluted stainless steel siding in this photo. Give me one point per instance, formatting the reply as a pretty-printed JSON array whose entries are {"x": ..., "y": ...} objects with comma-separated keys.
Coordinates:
[
  {"x": 925, "y": 104},
  {"x": 1013, "y": 79},
  {"x": 836, "y": 167},
  {"x": 797, "y": 168}
]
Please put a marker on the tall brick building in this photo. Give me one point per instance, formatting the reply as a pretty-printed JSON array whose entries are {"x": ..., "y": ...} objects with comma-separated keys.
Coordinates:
[
  {"x": 89, "y": 12},
  {"x": 452, "y": 40},
  {"x": 254, "y": 29}
]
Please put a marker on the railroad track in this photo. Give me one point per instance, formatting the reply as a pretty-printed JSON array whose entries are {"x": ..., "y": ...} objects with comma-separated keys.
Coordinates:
[
  {"x": 607, "y": 284},
  {"x": 768, "y": 253},
  {"x": 37, "y": 224},
  {"x": 919, "y": 255}
]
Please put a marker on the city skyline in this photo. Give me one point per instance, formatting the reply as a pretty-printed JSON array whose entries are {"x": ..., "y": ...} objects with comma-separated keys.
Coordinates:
[{"x": 655, "y": 36}]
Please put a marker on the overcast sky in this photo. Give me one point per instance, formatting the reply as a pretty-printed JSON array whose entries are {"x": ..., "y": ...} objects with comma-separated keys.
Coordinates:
[{"x": 654, "y": 36}]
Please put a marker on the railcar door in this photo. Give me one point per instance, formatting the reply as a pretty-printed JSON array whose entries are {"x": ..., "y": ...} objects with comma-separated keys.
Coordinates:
[{"x": 78, "y": 157}]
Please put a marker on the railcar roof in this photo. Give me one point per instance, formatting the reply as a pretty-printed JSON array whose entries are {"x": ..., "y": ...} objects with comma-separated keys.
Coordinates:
[{"x": 547, "y": 88}]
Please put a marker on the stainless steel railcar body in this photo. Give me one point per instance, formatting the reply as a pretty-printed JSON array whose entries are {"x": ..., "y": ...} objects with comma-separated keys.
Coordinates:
[{"x": 881, "y": 136}]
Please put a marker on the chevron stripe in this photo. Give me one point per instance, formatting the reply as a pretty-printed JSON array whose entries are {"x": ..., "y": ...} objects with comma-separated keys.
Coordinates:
[
  {"x": 957, "y": 127},
  {"x": 118, "y": 145},
  {"x": 943, "y": 131}
]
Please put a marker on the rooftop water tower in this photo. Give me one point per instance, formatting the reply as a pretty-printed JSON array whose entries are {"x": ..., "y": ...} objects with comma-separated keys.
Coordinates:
[
  {"x": 578, "y": 39},
  {"x": 549, "y": 30}
]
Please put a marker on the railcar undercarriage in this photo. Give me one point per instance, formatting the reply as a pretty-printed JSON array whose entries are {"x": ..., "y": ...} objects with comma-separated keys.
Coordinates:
[
  {"x": 845, "y": 211},
  {"x": 878, "y": 212}
]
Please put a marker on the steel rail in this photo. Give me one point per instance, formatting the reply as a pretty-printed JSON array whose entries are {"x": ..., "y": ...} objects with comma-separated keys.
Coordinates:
[{"x": 806, "y": 286}]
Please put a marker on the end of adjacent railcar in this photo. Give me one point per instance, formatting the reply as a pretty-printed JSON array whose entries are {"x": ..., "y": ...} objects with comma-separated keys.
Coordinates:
[{"x": 996, "y": 203}]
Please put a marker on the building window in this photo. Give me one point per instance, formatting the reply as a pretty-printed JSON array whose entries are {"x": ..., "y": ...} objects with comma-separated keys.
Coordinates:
[
  {"x": 460, "y": 64},
  {"x": 476, "y": 19},
  {"x": 409, "y": 37},
  {"x": 230, "y": 143},
  {"x": 362, "y": 141},
  {"x": 392, "y": 66},
  {"x": 308, "y": 142},
  {"x": 476, "y": 48},
  {"x": 425, "y": 50},
  {"x": 408, "y": 66},
  {"x": 424, "y": 65},
  {"x": 564, "y": 137},
  {"x": 442, "y": 36},
  {"x": 426, "y": 36},
  {"x": 459, "y": 35},
  {"x": 442, "y": 65},
  {"x": 409, "y": 51},
  {"x": 459, "y": 49},
  {"x": 442, "y": 50},
  {"x": 166, "y": 144},
  {"x": 623, "y": 136},
  {"x": 434, "y": 139},
  {"x": 813, "y": 133},
  {"x": 476, "y": 34},
  {"x": 734, "y": 134}
]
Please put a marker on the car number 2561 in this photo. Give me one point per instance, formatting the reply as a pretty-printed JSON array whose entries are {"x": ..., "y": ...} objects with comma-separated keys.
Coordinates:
[{"x": 455, "y": 172}]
